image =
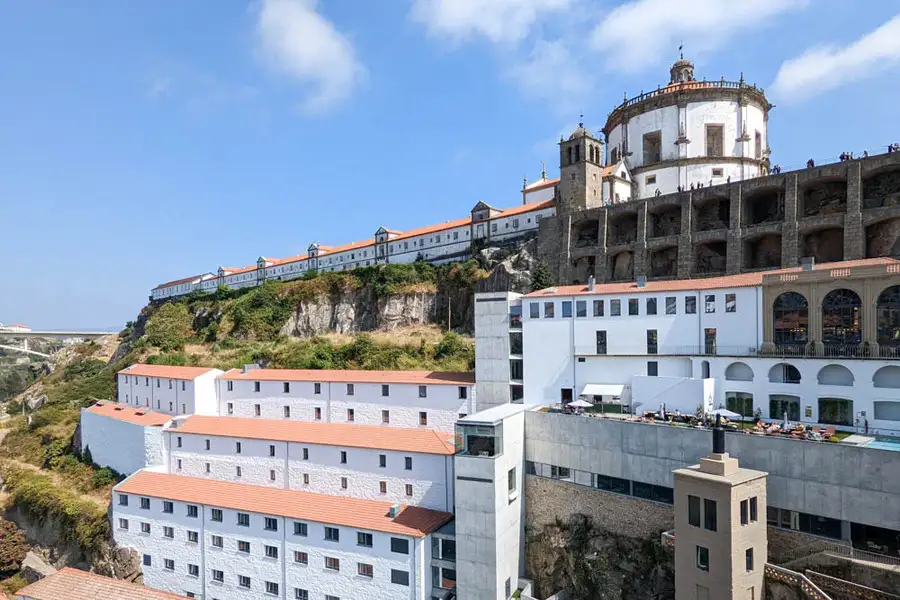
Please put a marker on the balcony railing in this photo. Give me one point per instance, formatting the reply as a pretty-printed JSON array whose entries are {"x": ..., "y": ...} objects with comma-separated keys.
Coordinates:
[
  {"x": 686, "y": 86},
  {"x": 809, "y": 589},
  {"x": 858, "y": 351}
]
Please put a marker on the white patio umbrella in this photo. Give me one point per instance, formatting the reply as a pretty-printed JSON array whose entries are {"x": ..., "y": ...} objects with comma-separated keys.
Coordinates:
[
  {"x": 728, "y": 414},
  {"x": 580, "y": 404}
]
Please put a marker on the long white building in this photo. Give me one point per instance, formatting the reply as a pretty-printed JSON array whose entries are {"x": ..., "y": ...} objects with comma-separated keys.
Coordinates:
[
  {"x": 169, "y": 390},
  {"x": 820, "y": 344}
]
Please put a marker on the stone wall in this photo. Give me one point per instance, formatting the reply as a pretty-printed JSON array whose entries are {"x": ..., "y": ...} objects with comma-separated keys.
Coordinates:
[{"x": 841, "y": 211}]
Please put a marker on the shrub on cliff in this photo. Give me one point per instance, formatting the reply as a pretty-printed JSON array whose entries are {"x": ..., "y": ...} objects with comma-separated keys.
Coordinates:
[
  {"x": 169, "y": 327},
  {"x": 12, "y": 547},
  {"x": 541, "y": 277}
]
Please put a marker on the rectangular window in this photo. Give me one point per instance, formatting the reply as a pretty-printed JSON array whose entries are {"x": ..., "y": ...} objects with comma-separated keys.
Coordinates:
[
  {"x": 317, "y": 413},
  {"x": 671, "y": 305},
  {"x": 690, "y": 305},
  {"x": 217, "y": 541},
  {"x": 169, "y": 532},
  {"x": 192, "y": 511},
  {"x": 598, "y": 308},
  {"x": 601, "y": 342},
  {"x": 709, "y": 514},
  {"x": 364, "y": 539},
  {"x": 463, "y": 392},
  {"x": 615, "y": 308},
  {"x": 633, "y": 307},
  {"x": 237, "y": 471},
  {"x": 193, "y": 537},
  {"x": 351, "y": 415},
  {"x": 714, "y": 140},
  {"x": 650, "y": 180},
  {"x": 287, "y": 412},
  {"x": 145, "y": 503},
  {"x": 423, "y": 391},
  {"x": 709, "y": 341},
  {"x": 651, "y": 306},
  {"x": 301, "y": 557},
  {"x": 652, "y": 148},
  {"x": 534, "y": 310},
  {"x": 409, "y": 490},
  {"x": 753, "y": 509},
  {"x": 257, "y": 410},
  {"x": 511, "y": 480},
  {"x": 652, "y": 341},
  {"x": 580, "y": 308},
  {"x": 745, "y": 512},
  {"x": 271, "y": 449},
  {"x": 243, "y": 519},
  {"x": 351, "y": 389},
  {"x": 147, "y": 560},
  {"x": 207, "y": 444},
  {"x": 400, "y": 577},
  {"x": 271, "y": 524},
  {"x": 382, "y": 460},
  {"x": 168, "y": 507},
  {"x": 244, "y": 547},
  {"x": 343, "y": 457},
  {"x": 364, "y": 570},
  {"x": 567, "y": 309},
  {"x": 748, "y": 559},
  {"x": 244, "y": 581},
  {"x": 178, "y": 441},
  {"x": 306, "y": 479},
  {"x": 332, "y": 564},
  {"x": 230, "y": 386},
  {"x": 286, "y": 387},
  {"x": 123, "y": 524},
  {"x": 694, "y": 511},
  {"x": 317, "y": 388},
  {"x": 230, "y": 407},
  {"x": 423, "y": 418},
  {"x": 301, "y": 594},
  {"x": 385, "y": 416},
  {"x": 652, "y": 368},
  {"x": 300, "y": 528},
  {"x": 306, "y": 454},
  {"x": 169, "y": 564},
  {"x": 256, "y": 386},
  {"x": 548, "y": 310},
  {"x": 193, "y": 570},
  {"x": 385, "y": 390},
  {"x": 332, "y": 534},
  {"x": 216, "y": 515},
  {"x": 407, "y": 463},
  {"x": 271, "y": 551},
  {"x": 730, "y": 303},
  {"x": 709, "y": 304},
  {"x": 343, "y": 483},
  {"x": 237, "y": 447},
  {"x": 399, "y": 545},
  {"x": 702, "y": 558},
  {"x": 123, "y": 500},
  {"x": 145, "y": 527}
]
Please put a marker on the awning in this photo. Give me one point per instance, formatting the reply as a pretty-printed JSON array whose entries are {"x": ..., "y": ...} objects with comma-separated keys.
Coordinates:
[{"x": 603, "y": 389}]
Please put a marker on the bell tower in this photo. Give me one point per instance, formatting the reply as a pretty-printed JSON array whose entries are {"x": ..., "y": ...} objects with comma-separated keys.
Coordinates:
[{"x": 580, "y": 172}]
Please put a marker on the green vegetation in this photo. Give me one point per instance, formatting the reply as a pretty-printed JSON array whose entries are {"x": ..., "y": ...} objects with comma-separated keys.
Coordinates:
[
  {"x": 12, "y": 547},
  {"x": 541, "y": 277},
  {"x": 170, "y": 327}
]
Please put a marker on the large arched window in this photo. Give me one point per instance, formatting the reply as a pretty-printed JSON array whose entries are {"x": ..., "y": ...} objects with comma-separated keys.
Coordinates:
[
  {"x": 835, "y": 375},
  {"x": 790, "y": 318},
  {"x": 738, "y": 371},
  {"x": 784, "y": 373},
  {"x": 887, "y": 315},
  {"x": 841, "y": 322}
]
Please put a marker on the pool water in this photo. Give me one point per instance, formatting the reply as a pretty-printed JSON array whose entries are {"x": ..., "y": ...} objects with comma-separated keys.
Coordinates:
[{"x": 885, "y": 445}]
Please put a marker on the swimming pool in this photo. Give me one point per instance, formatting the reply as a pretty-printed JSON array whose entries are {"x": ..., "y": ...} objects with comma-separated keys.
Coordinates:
[{"x": 884, "y": 445}]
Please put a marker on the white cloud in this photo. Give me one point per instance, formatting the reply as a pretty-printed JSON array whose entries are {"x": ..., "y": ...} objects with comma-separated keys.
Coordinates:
[
  {"x": 500, "y": 21},
  {"x": 551, "y": 72},
  {"x": 826, "y": 67},
  {"x": 640, "y": 33},
  {"x": 296, "y": 40}
]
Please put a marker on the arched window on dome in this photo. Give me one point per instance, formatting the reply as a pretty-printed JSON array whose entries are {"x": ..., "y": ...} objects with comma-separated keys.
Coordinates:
[
  {"x": 887, "y": 314},
  {"x": 790, "y": 321},
  {"x": 841, "y": 318}
]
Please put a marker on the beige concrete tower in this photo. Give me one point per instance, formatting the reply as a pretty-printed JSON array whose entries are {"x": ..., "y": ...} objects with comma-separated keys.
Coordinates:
[{"x": 720, "y": 528}]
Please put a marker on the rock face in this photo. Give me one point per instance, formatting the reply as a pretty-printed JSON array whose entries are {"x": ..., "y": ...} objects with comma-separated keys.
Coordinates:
[{"x": 360, "y": 310}]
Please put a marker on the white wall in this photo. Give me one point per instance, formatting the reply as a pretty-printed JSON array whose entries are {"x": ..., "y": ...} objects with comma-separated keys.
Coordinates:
[
  {"x": 122, "y": 446},
  {"x": 283, "y": 570},
  {"x": 540, "y": 195},
  {"x": 168, "y": 395},
  {"x": 492, "y": 347},
  {"x": 431, "y": 475}
]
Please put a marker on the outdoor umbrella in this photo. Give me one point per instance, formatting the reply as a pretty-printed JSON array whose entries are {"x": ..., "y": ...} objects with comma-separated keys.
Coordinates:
[
  {"x": 728, "y": 414},
  {"x": 580, "y": 404}
]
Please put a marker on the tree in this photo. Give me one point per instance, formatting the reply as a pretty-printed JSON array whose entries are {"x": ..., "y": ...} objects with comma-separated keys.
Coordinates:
[
  {"x": 170, "y": 327},
  {"x": 540, "y": 277},
  {"x": 12, "y": 547}
]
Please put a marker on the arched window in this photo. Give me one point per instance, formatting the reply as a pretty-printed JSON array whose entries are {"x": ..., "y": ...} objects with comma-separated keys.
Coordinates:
[
  {"x": 841, "y": 324},
  {"x": 887, "y": 315},
  {"x": 577, "y": 153},
  {"x": 704, "y": 368},
  {"x": 784, "y": 373},
  {"x": 835, "y": 375},
  {"x": 887, "y": 377},
  {"x": 738, "y": 371},
  {"x": 592, "y": 152},
  {"x": 570, "y": 155},
  {"x": 790, "y": 319}
]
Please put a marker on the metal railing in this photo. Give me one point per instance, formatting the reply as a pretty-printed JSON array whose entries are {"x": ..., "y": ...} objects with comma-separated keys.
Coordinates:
[
  {"x": 847, "y": 589},
  {"x": 809, "y": 589},
  {"x": 834, "y": 548},
  {"x": 855, "y": 351},
  {"x": 687, "y": 86}
]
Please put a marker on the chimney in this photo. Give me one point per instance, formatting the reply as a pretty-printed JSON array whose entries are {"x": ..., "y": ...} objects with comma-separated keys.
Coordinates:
[
  {"x": 592, "y": 283},
  {"x": 249, "y": 367},
  {"x": 394, "y": 511},
  {"x": 718, "y": 437},
  {"x": 642, "y": 281},
  {"x": 808, "y": 263}
]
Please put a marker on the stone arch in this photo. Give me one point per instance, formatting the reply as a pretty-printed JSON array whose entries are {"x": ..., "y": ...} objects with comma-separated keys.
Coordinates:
[
  {"x": 841, "y": 318},
  {"x": 664, "y": 261},
  {"x": 763, "y": 251},
  {"x": 881, "y": 189},
  {"x": 585, "y": 232},
  {"x": 784, "y": 373},
  {"x": 710, "y": 257},
  {"x": 763, "y": 206},
  {"x": 887, "y": 377},
  {"x": 883, "y": 238},
  {"x": 825, "y": 244},
  {"x": 711, "y": 213},
  {"x": 621, "y": 266},
  {"x": 887, "y": 318},
  {"x": 664, "y": 220},
  {"x": 738, "y": 371},
  {"x": 790, "y": 320},
  {"x": 823, "y": 197},
  {"x": 582, "y": 269},
  {"x": 835, "y": 375},
  {"x": 622, "y": 228}
]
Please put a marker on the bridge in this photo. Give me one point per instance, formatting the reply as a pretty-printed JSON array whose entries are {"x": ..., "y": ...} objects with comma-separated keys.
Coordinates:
[
  {"x": 23, "y": 350},
  {"x": 71, "y": 336}
]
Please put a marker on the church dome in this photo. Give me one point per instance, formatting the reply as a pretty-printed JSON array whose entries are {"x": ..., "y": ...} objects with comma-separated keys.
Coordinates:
[
  {"x": 682, "y": 71},
  {"x": 581, "y": 132}
]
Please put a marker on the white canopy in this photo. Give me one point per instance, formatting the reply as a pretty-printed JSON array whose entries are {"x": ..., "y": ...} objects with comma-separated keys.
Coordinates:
[
  {"x": 603, "y": 389},
  {"x": 580, "y": 404}
]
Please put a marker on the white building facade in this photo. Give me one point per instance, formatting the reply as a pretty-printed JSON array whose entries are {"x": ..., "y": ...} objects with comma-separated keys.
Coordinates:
[
  {"x": 426, "y": 399},
  {"x": 123, "y": 438},
  {"x": 169, "y": 390},
  {"x": 828, "y": 355}
]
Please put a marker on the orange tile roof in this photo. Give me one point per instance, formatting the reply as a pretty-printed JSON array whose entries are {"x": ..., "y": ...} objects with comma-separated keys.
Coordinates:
[
  {"x": 177, "y": 282},
  {"x": 166, "y": 371},
  {"x": 129, "y": 414},
  {"x": 524, "y": 208},
  {"x": 289, "y": 259},
  {"x": 707, "y": 283},
  {"x": 326, "y": 250},
  {"x": 371, "y": 515},
  {"x": 401, "y": 439},
  {"x": 73, "y": 584},
  {"x": 354, "y": 376},
  {"x": 534, "y": 187},
  {"x": 433, "y": 228}
]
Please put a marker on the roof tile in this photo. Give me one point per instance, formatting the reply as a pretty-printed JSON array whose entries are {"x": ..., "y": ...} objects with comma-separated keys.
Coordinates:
[
  {"x": 123, "y": 412},
  {"x": 353, "y": 376},
  {"x": 73, "y": 584},
  {"x": 170, "y": 372}
]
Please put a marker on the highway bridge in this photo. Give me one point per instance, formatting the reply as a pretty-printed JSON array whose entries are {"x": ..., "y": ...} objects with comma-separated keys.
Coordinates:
[{"x": 70, "y": 336}]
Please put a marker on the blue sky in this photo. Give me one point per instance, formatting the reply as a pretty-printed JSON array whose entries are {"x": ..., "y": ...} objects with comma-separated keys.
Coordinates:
[{"x": 149, "y": 140}]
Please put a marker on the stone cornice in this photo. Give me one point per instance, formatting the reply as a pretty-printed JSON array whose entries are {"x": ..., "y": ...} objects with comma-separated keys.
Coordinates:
[{"x": 696, "y": 160}]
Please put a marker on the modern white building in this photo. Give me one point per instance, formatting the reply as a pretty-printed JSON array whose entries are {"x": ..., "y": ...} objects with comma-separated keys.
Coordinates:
[
  {"x": 170, "y": 390},
  {"x": 820, "y": 344},
  {"x": 410, "y": 466},
  {"x": 221, "y": 541},
  {"x": 427, "y": 399},
  {"x": 121, "y": 437}
]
